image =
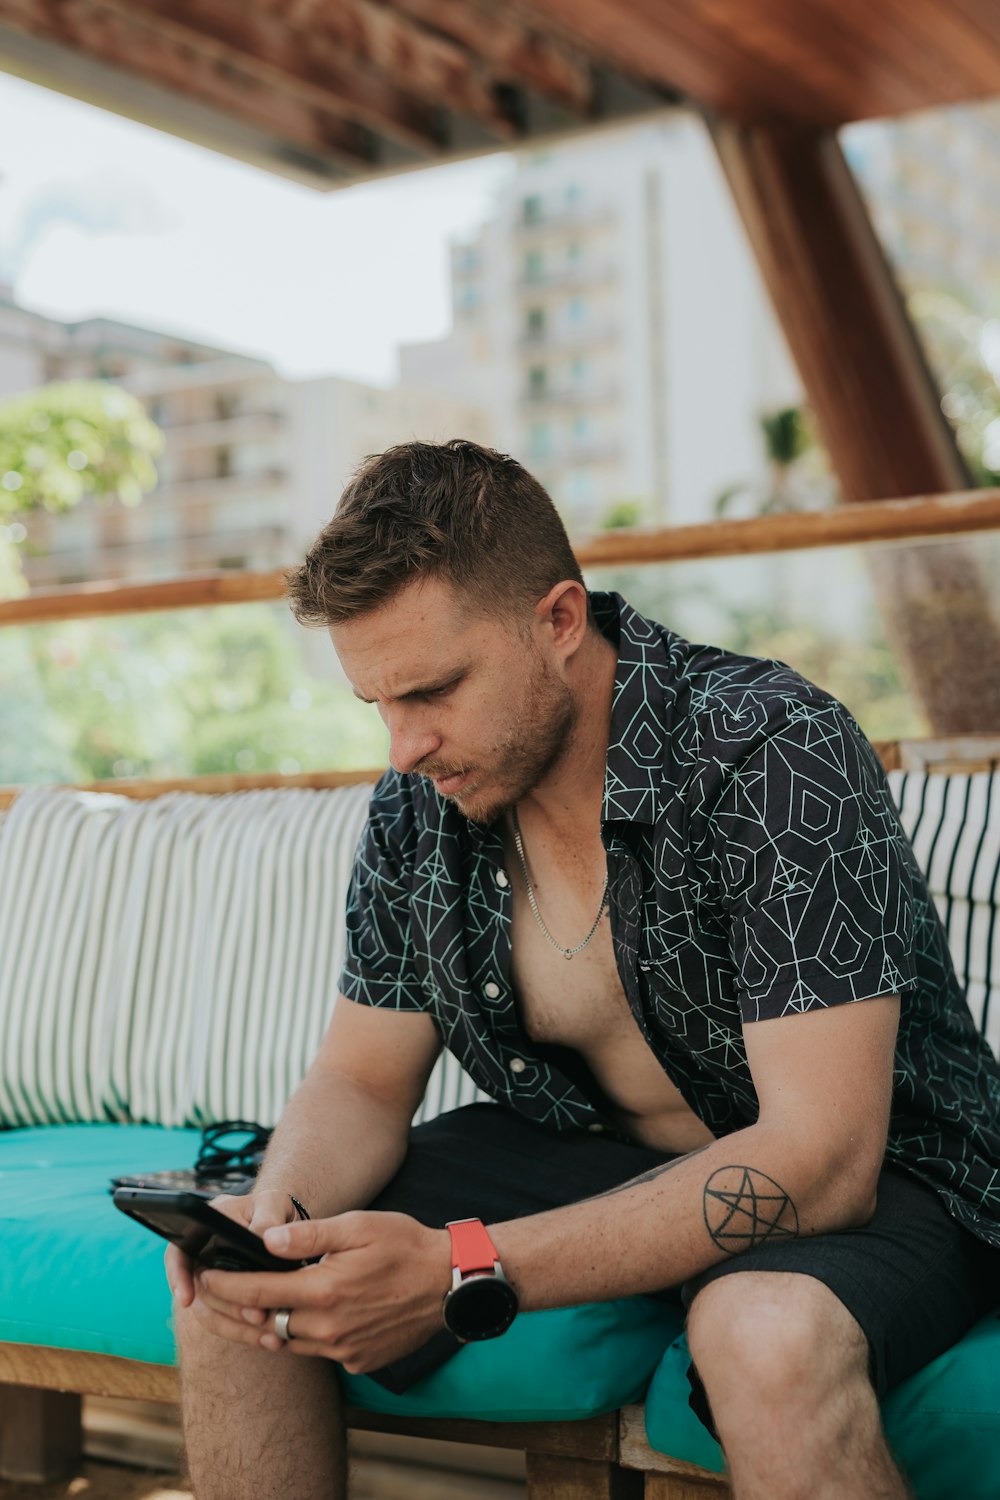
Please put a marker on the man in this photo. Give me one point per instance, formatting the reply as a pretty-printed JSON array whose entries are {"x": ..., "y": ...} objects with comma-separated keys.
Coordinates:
[{"x": 656, "y": 899}]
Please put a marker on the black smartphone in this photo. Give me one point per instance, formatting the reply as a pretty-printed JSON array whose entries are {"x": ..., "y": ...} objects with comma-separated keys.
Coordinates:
[
  {"x": 235, "y": 1185},
  {"x": 204, "y": 1233}
]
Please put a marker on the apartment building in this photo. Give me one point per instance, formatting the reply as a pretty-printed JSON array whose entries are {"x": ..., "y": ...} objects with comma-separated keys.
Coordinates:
[
  {"x": 611, "y": 319},
  {"x": 253, "y": 464}
]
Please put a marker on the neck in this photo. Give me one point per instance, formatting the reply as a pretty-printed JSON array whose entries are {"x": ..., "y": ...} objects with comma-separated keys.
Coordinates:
[{"x": 570, "y": 797}]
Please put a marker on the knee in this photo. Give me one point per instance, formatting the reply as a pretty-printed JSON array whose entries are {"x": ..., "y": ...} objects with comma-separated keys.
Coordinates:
[{"x": 774, "y": 1338}]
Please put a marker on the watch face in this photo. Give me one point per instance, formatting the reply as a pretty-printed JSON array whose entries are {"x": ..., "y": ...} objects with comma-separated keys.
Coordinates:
[{"x": 480, "y": 1307}]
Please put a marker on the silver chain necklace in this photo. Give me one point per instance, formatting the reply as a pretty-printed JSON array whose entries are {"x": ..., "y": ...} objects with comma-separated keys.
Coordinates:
[{"x": 566, "y": 952}]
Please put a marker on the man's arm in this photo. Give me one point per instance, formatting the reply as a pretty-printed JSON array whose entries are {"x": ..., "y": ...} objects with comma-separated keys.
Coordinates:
[
  {"x": 344, "y": 1131},
  {"x": 808, "y": 1166}
]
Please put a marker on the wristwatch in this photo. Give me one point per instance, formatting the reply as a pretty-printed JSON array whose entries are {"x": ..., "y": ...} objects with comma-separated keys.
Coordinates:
[{"x": 481, "y": 1303}]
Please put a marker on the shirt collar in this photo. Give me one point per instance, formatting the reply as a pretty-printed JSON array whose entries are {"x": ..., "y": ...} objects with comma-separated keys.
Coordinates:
[{"x": 645, "y": 685}]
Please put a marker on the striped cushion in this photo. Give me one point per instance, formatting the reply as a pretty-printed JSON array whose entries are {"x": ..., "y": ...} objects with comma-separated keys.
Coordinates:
[
  {"x": 953, "y": 823},
  {"x": 66, "y": 860},
  {"x": 174, "y": 961}
]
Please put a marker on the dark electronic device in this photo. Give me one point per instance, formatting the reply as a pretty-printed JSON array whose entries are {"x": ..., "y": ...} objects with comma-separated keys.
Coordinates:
[{"x": 202, "y": 1232}]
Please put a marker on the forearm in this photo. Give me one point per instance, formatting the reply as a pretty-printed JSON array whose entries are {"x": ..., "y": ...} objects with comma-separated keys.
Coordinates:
[
  {"x": 757, "y": 1185},
  {"x": 335, "y": 1147}
]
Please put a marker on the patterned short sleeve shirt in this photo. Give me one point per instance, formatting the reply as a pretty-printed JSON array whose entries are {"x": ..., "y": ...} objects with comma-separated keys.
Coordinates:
[{"x": 756, "y": 869}]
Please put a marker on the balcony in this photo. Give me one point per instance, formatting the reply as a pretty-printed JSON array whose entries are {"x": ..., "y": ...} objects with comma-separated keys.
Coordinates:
[
  {"x": 532, "y": 340},
  {"x": 568, "y": 216},
  {"x": 216, "y": 432},
  {"x": 217, "y": 487},
  {"x": 568, "y": 278},
  {"x": 594, "y": 393}
]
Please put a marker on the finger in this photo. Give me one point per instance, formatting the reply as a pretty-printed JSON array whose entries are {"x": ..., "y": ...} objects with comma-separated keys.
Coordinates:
[
  {"x": 230, "y": 1310},
  {"x": 304, "y": 1238},
  {"x": 268, "y": 1289},
  {"x": 234, "y": 1330},
  {"x": 179, "y": 1269}
]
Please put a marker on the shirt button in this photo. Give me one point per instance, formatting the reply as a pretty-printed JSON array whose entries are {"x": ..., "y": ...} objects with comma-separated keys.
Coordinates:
[
  {"x": 517, "y": 1065},
  {"x": 597, "y": 1128},
  {"x": 491, "y": 990},
  {"x": 501, "y": 879}
]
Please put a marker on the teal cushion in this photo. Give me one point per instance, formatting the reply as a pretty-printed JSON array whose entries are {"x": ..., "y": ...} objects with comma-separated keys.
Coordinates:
[
  {"x": 77, "y": 1274},
  {"x": 943, "y": 1423}
]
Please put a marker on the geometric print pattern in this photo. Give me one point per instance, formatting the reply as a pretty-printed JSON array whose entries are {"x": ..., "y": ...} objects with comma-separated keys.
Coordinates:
[{"x": 757, "y": 868}]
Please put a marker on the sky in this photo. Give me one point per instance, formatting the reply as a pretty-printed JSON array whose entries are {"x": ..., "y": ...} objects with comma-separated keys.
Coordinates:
[{"x": 100, "y": 215}]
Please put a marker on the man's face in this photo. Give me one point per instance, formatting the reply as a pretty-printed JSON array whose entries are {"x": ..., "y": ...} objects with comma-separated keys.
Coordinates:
[{"x": 470, "y": 702}]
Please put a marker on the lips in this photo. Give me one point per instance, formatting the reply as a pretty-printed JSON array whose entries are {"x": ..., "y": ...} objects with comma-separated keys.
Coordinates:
[{"x": 449, "y": 785}]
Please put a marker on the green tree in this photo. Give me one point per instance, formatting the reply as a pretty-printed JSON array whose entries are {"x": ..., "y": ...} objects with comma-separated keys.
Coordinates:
[
  {"x": 69, "y": 440},
  {"x": 798, "y": 474},
  {"x": 192, "y": 692}
]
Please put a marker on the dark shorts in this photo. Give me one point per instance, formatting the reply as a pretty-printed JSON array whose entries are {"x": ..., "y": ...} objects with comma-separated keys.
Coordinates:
[{"x": 913, "y": 1278}]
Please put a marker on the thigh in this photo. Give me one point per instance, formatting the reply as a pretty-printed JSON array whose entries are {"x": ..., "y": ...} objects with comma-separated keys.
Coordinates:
[
  {"x": 913, "y": 1279},
  {"x": 485, "y": 1162}
]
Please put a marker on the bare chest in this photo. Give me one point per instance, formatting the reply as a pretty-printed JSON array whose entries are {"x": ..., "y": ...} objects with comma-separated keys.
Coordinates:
[{"x": 580, "y": 1002}]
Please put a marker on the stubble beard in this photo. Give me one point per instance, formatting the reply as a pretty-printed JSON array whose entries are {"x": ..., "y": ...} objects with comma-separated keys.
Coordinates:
[{"x": 531, "y": 748}]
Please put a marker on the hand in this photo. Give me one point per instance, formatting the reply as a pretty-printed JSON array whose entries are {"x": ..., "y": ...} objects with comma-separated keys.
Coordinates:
[
  {"x": 375, "y": 1295},
  {"x": 255, "y": 1211}
]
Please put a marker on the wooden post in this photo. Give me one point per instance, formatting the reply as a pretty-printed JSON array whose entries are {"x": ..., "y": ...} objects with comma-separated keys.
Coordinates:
[
  {"x": 875, "y": 400},
  {"x": 40, "y": 1434},
  {"x": 677, "y": 1487},
  {"x": 556, "y": 1478}
]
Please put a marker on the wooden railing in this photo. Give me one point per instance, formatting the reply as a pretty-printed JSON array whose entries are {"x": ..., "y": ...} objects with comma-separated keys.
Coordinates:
[{"x": 926, "y": 517}]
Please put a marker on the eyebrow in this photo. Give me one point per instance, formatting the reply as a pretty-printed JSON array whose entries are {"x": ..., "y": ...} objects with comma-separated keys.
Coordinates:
[{"x": 424, "y": 688}]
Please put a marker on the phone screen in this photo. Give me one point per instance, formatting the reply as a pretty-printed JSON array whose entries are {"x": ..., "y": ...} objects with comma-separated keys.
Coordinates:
[{"x": 200, "y": 1231}]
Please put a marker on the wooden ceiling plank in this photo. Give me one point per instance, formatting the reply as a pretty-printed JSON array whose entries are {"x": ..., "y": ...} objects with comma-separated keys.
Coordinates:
[
  {"x": 117, "y": 41},
  {"x": 818, "y": 61},
  {"x": 513, "y": 52},
  {"x": 968, "y": 36},
  {"x": 427, "y": 63},
  {"x": 263, "y": 47},
  {"x": 822, "y": 45}
]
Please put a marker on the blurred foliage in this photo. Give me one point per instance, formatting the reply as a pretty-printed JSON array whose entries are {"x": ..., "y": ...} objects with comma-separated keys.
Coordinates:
[
  {"x": 854, "y": 663},
  {"x": 69, "y": 440},
  {"x": 963, "y": 348},
  {"x": 621, "y": 514},
  {"x": 187, "y": 693},
  {"x": 863, "y": 674},
  {"x": 798, "y": 475}
]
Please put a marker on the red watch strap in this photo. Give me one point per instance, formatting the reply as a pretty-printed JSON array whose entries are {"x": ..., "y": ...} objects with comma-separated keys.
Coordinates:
[{"x": 471, "y": 1247}]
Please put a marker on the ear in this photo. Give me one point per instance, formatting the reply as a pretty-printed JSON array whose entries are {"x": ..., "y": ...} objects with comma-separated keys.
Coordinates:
[{"x": 563, "y": 614}]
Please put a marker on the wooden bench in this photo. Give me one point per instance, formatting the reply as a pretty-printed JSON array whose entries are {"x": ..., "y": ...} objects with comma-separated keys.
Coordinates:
[{"x": 601, "y": 1458}]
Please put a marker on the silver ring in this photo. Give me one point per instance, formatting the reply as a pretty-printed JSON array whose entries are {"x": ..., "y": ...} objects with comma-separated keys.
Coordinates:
[{"x": 281, "y": 1325}]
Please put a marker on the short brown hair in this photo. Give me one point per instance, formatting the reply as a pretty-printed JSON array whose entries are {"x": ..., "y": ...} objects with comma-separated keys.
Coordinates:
[{"x": 454, "y": 510}]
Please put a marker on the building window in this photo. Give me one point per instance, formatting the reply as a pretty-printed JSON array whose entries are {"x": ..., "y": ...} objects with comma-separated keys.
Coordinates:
[
  {"x": 536, "y": 381},
  {"x": 534, "y": 266},
  {"x": 578, "y": 370},
  {"x": 576, "y": 311},
  {"x": 573, "y": 252},
  {"x": 531, "y": 209},
  {"x": 581, "y": 429},
  {"x": 574, "y": 192},
  {"x": 535, "y": 325},
  {"x": 539, "y": 440}
]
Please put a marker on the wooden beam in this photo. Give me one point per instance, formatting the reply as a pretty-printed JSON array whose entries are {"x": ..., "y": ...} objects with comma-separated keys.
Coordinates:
[
  {"x": 356, "y": 59},
  {"x": 875, "y": 401},
  {"x": 143, "y": 790},
  {"x": 854, "y": 525},
  {"x": 868, "y": 381},
  {"x": 517, "y": 52},
  {"x": 69, "y": 29}
]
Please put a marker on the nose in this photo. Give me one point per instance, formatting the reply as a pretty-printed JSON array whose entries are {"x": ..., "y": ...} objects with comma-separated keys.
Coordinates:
[{"x": 409, "y": 745}]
